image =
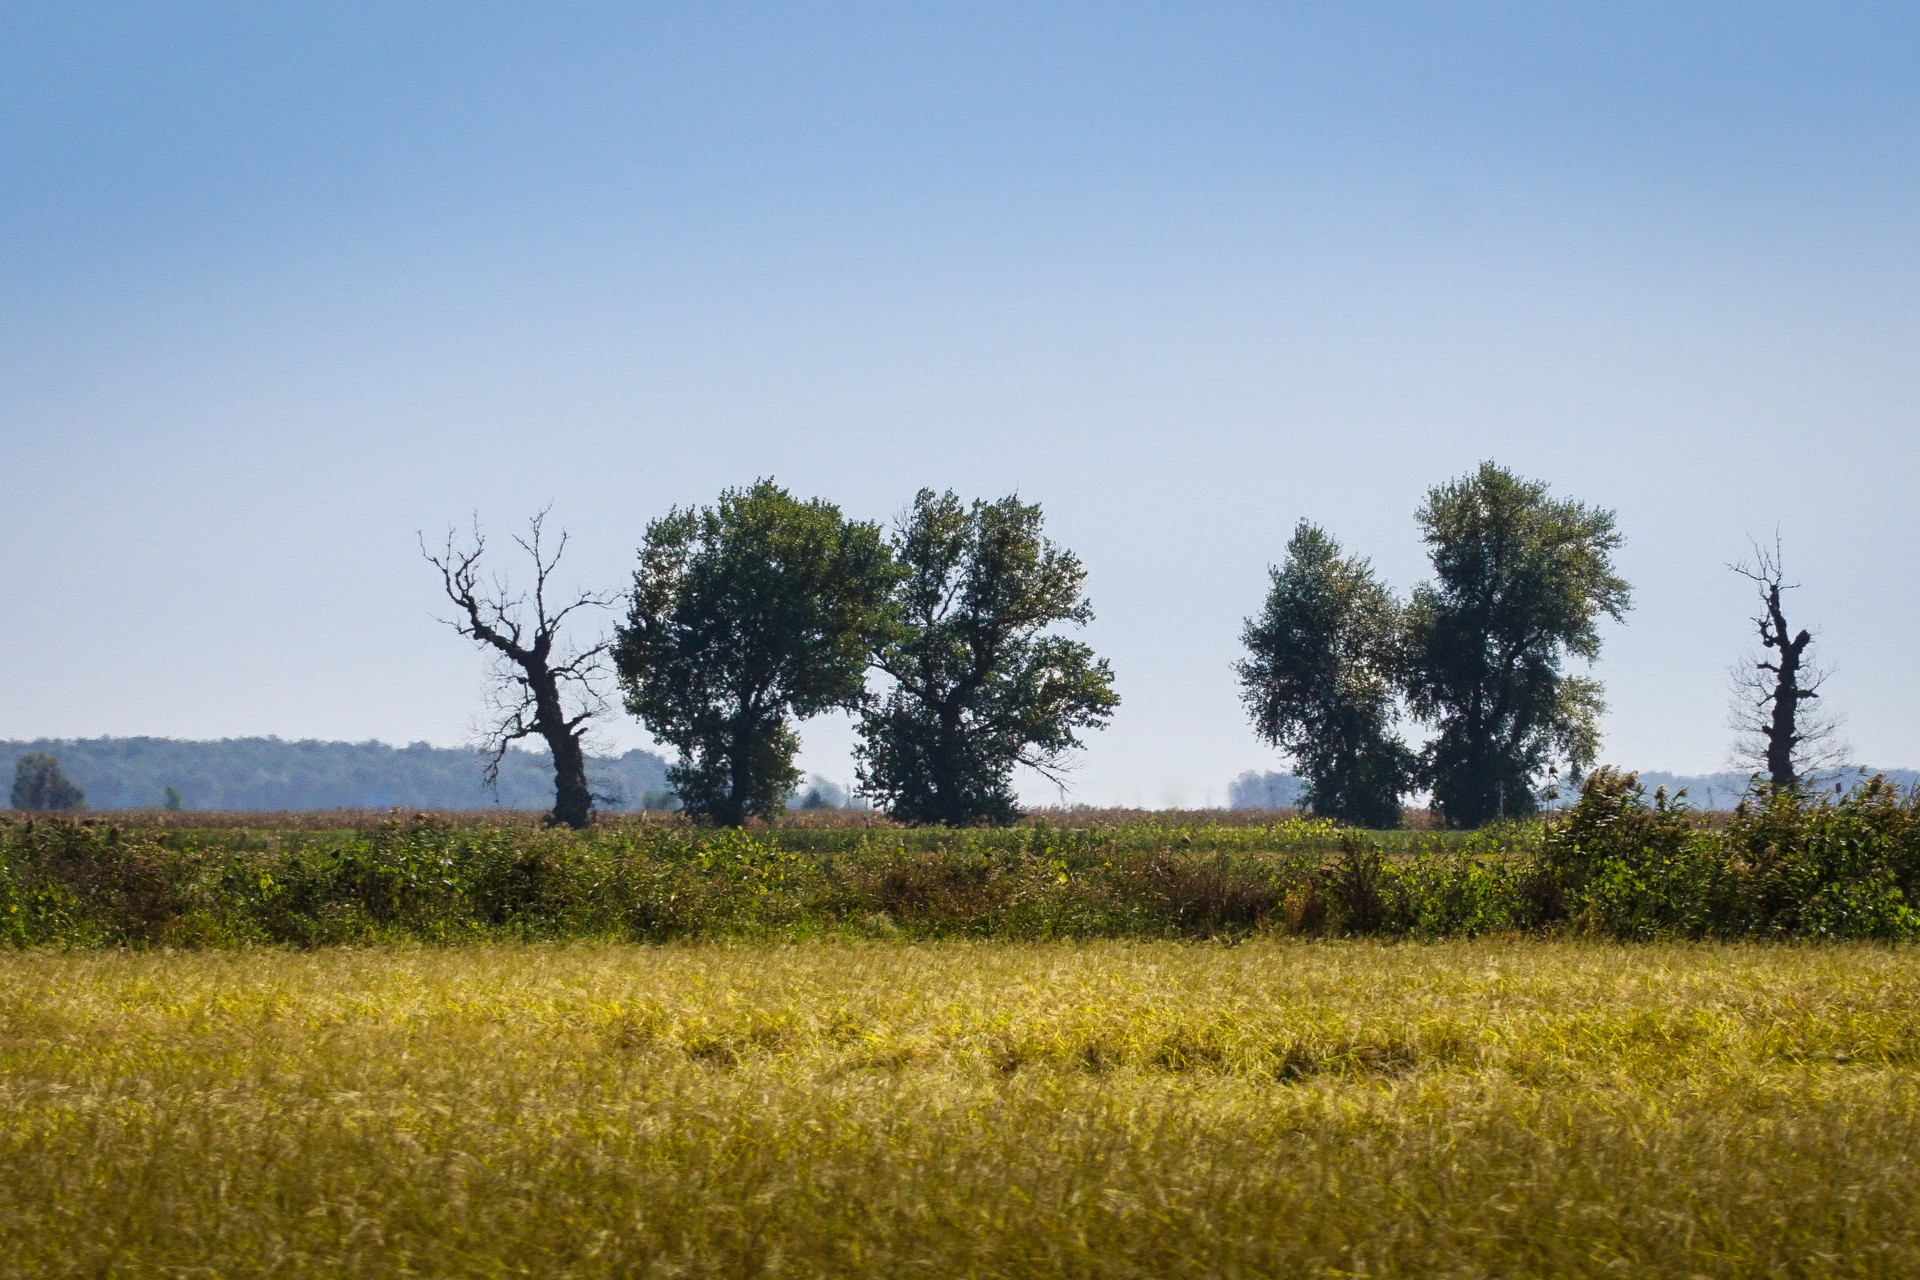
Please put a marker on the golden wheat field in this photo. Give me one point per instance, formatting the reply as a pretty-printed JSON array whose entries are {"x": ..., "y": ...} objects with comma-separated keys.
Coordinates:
[{"x": 955, "y": 1109}]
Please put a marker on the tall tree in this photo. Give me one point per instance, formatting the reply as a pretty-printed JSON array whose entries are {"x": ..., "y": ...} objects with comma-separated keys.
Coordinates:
[
  {"x": 744, "y": 616},
  {"x": 1779, "y": 733},
  {"x": 40, "y": 786},
  {"x": 979, "y": 685},
  {"x": 1319, "y": 680},
  {"x": 1521, "y": 581},
  {"x": 541, "y": 686}
]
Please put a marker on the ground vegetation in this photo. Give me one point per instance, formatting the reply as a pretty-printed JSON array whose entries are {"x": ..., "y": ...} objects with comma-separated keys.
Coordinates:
[
  {"x": 1619, "y": 864},
  {"x": 1496, "y": 1107}
]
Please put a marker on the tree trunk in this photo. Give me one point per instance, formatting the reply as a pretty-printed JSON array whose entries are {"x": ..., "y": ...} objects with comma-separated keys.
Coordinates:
[
  {"x": 1780, "y": 733},
  {"x": 948, "y": 802},
  {"x": 732, "y": 811},
  {"x": 572, "y": 801},
  {"x": 1783, "y": 732}
]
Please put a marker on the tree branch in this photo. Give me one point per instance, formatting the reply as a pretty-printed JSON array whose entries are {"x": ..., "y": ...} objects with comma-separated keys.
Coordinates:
[{"x": 533, "y": 691}]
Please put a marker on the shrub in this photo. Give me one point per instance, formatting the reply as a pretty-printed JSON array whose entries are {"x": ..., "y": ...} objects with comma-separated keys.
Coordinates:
[{"x": 1785, "y": 865}]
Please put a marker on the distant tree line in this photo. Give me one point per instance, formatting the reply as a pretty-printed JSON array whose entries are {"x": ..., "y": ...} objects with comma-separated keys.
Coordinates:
[{"x": 273, "y": 774}]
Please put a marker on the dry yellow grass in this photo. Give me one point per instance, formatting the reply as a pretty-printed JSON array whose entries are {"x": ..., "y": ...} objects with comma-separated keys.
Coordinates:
[{"x": 1108, "y": 1109}]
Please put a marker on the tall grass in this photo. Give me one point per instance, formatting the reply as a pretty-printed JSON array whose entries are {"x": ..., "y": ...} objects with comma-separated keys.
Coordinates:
[{"x": 1493, "y": 1108}]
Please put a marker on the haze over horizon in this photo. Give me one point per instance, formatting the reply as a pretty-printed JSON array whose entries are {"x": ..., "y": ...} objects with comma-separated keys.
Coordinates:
[{"x": 281, "y": 288}]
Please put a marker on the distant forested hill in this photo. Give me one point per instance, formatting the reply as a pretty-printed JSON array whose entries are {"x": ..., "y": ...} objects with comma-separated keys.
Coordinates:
[{"x": 270, "y": 773}]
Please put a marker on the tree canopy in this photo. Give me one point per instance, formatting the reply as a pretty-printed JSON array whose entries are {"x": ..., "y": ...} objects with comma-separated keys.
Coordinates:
[
  {"x": 742, "y": 617},
  {"x": 979, "y": 685},
  {"x": 1319, "y": 680},
  {"x": 1521, "y": 582}
]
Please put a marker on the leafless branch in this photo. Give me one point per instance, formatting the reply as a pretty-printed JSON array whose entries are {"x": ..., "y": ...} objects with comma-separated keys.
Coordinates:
[
  {"x": 1780, "y": 732},
  {"x": 540, "y": 685},
  {"x": 1055, "y": 767}
]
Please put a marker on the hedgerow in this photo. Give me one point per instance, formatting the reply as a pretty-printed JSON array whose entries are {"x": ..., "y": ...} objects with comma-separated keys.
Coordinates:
[{"x": 1617, "y": 864}]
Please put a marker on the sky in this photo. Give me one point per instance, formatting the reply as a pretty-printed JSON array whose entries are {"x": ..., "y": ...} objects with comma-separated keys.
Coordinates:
[{"x": 283, "y": 287}]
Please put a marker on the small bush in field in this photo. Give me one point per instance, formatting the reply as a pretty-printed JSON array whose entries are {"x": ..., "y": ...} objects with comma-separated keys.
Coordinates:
[{"x": 1783, "y": 866}]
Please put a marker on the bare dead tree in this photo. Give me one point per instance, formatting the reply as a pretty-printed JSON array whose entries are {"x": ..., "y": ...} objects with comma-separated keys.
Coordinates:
[
  {"x": 541, "y": 687},
  {"x": 1780, "y": 733}
]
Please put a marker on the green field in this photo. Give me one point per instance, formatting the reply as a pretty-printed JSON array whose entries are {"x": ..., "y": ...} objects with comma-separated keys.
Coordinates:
[{"x": 1095, "y": 1108}]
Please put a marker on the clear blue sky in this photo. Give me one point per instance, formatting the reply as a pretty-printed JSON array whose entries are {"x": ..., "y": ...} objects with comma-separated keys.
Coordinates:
[{"x": 281, "y": 285}]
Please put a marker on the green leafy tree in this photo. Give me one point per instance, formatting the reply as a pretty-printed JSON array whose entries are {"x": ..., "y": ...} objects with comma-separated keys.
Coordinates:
[
  {"x": 1319, "y": 680},
  {"x": 744, "y": 616},
  {"x": 39, "y": 785},
  {"x": 979, "y": 686},
  {"x": 1521, "y": 581}
]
